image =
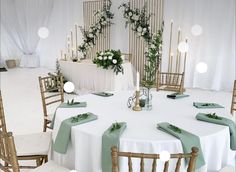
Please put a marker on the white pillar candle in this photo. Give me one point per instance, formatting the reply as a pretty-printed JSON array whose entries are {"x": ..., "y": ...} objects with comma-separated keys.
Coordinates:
[
  {"x": 71, "y": 38},
  {"x": 137, "y": 83},
  {"x": 76, "y": 36}
]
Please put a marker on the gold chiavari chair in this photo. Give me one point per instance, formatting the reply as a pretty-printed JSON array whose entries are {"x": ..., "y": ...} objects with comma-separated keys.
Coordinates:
[
  {"x": 31, "y": 146},
  {"x": 8, "y": 156},
  {"x": 128, "y": 57},
  {"x": 173, "y": 78},
  {"x": 51, "y": 89},
  {"x": 233, "y": 104},
  {"x": 116, "y": 154}
]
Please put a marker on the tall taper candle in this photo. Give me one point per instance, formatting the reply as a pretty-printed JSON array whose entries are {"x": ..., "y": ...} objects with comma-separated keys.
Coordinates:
[
  {"x": 71, "y": 38},
  {"x": 137, "y": 82},
  {"x": 76, "y": 36}
]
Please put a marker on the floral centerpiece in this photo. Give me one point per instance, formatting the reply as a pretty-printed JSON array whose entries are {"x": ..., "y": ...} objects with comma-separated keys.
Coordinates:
[
  {"x": 110, "y": 59},
  {"x": 104, "y": 20}
]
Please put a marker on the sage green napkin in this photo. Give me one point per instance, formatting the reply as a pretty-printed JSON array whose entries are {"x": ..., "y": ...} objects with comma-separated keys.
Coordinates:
[
  {"x": 110, "y": 138},
  {"x": 63, "y": 136},
  {"x": 187, "y": 139},
  {"x": 103, "y": 94},
  {"x": 177, "y": 95},
  {"x": 221, "y": 121},
  {"x": 66, "y": 105},
  {"x": 74, "y": 105},
  {"x": 206, "y": 105}
]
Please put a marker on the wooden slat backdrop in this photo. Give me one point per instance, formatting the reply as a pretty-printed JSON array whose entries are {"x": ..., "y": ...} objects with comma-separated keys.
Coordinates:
[
  {"x": 103, "y": 40},
  {"x": 137, "y": 45}
]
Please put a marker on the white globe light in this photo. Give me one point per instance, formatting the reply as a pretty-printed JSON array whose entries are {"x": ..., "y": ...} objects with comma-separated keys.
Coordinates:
[
  {"x": 183, "y": 47},
  {"x": 201, "y": 67},
  {"x": 69, "y": 87},
  {"x": 165, "y": 156},
  {"x": 43, "y": 32},
  {"x": 196, "y": 30},
  {"x": 73, "y": 171}
]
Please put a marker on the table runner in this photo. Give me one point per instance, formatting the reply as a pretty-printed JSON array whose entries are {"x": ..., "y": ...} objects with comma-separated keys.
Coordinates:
[
  {"x": 110, "y": 138},
  {"x": 187, "y": 139},
  {"x": 64, "y": 134},
  {"x": 221, "y": 121},
  {"x": 66, "y": 105}
]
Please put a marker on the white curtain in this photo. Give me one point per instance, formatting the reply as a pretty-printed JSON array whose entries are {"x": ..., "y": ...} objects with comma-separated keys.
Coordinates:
[
  {"x": 21, "y": 20},
  {"x": 216, "y": 45}
]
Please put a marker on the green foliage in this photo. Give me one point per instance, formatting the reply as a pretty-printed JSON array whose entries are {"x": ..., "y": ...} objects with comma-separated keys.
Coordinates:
[
  {"x": 139, "y": 22},
  {"x": 153, "y": 56},
  {"x": 110, "y": 59},
  {"x": 104, "y": 19}
]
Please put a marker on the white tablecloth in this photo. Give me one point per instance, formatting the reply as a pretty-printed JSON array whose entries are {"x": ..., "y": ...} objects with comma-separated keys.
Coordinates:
[
  {"x": 87, "y": 76},
  {"x": 141, "y": 135}
]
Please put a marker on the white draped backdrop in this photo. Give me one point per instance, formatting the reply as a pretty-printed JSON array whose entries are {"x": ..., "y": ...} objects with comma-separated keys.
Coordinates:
[{"x": 20, "y": 21}]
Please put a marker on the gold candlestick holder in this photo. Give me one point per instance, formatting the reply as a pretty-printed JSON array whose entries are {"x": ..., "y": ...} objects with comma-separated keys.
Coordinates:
[{"x": 137, "y": 107}]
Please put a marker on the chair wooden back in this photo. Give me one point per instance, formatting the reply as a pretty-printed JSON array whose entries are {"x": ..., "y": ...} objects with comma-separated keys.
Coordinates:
[
  {"x": 8, "y": 153},
  {"x": 116, "y": 154},
  {"x": 233, "y": 104},
  {"x": 51, "y": 89},
  {"x": 3, "y": 127},
  {"x": 172, "y": 79},
  {"x": 128, "y": 57}
]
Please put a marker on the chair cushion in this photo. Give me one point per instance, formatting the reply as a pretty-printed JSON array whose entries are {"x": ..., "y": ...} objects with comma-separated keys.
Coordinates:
[
  {"x": 228, "y": 169},
  {"x": 33, "y": 144},
  {"x": 50, "y": 167}
]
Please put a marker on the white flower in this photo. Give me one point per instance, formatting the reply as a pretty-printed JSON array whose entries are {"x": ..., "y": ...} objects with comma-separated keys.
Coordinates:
[
  {"x": 123, "y": 57},
  {"x": 86, "y": 44},
  {"x": 153, "y": 46},
  {"x": 110, "y": 57},
  {"x": 90, "y": 35},
  {"x": 102, "y": 53},
  {"x": 144, "y": 29},
  {"x": 114, "y": 61},
  {"x": 105, "y": 57},
  {"x": 140, "y": 29},
  {"x": 90, "y": 30},
  {"x": 130, "y": 14},
  {"x": 100, "y": 57},
  {"x": 135, "y": 17}
]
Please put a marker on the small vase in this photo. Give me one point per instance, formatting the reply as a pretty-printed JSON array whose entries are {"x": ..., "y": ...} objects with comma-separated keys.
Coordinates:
[{"x": 148, "y": 102}]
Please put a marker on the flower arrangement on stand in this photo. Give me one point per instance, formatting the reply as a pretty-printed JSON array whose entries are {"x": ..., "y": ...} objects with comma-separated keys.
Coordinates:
[
  {"x": 110, "y": 59},
  {"x": 139, "y": 23},
  {"x": 104, "y": 20}
]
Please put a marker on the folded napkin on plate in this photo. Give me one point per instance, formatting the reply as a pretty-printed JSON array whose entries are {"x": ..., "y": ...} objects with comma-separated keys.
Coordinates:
[
  {"x": 103, "y": 94},
  {"x": 66, "y": 105},
  {"x": 221, "y": 121},
  {"x": 206, "y": 105},
  {"x": 110, "y": 138},
  {"x": 187, "y": 139},
  {"x": 177, "y": 95},
  {"x": 64, "y": 133}
]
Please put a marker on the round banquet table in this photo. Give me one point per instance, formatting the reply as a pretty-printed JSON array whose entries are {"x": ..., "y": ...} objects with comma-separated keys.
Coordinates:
[{"x": 141, "y": 135}]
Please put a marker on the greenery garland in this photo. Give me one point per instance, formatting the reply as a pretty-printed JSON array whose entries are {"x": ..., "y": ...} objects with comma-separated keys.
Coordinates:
[
  {"x": 139, "y": 22},
  {"x": 104, "y": 20}
]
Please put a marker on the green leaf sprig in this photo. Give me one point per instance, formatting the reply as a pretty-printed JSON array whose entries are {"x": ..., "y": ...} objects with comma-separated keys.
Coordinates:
[
  {"x": 213, "y": 116},
  {"x": 208, "y": 104},
  {"x": 175, "y": 129},
  {"x": 115, "y": 126},
  {"x": 79, "y": 117},
  {"x": 72, "y": 102}
]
